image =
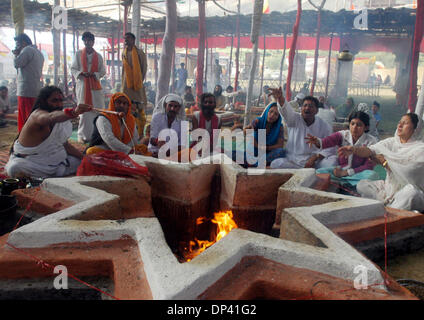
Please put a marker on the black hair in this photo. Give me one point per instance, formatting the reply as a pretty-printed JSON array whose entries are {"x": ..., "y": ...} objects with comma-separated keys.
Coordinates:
[
  {"x": 413, "y": 117},
  {"x": 43, "y": 95},
  {"x": 23, "y": 37},
  {"x": 130, "y": 34},
  {"x": 4, "y": 88},
  {"x": 313, "y": 99},
  {"x": 364, "y": 117},
  {"x": 204, "y": 96},
  {"x": 375, "y": 103},
  {"x": 87, "y": 36},
  {"x": 229, "y": 87},
  {"x": 40, "y": 103},
  {"x": 187, "y": 87}
]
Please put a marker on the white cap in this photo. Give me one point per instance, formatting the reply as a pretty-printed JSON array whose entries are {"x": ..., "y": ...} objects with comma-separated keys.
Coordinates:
[{"x": 300, "y": 96}]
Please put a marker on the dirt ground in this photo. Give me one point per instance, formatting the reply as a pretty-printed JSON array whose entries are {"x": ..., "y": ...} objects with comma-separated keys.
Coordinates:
[{"x": 7, "y": 136}]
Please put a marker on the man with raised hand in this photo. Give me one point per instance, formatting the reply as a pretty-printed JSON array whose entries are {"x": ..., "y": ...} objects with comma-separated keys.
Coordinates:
[
  {"x": 299, "y": 125},
  {"x": 42, "y": 149}
]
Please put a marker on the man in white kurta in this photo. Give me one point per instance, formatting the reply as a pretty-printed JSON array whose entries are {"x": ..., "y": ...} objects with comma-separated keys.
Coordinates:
[
  {"x": 85, "y": 127},
  {"x": 299, "y": 154}
]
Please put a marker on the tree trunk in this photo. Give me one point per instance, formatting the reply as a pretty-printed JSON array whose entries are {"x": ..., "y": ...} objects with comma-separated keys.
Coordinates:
[
  {"x": 201, "y": 51},
  {"x": 168, "y": 45},
  {"x": 256, "y": 26},
  {"x": 293, "y": 49}
]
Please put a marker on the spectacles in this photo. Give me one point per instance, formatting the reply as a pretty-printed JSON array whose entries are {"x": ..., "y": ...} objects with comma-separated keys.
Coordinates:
[{"x": 56, "y": 100}]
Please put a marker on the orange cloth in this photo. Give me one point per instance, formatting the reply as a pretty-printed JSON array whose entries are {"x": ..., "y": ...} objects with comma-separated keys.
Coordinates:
[
  {"x": 114, "y": 119},
  {"x": 140, "y": 149},
  {"x": 90, "y": 83},
  {"x": 133, "y": 76}
]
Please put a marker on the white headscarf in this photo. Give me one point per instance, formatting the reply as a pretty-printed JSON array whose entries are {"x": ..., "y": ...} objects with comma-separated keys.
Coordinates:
[
  {"x": 161, "y": 105},
  {"x": 373, "y": 123},
  {"x": 405, "y": 160}
]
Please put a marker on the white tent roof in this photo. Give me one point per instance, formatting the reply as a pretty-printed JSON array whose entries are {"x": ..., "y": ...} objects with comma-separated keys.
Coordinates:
[{"x": 156, "y": 8}]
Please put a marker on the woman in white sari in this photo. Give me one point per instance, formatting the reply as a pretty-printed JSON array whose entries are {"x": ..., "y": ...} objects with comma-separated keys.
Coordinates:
[{"x": 403, "y": 158}]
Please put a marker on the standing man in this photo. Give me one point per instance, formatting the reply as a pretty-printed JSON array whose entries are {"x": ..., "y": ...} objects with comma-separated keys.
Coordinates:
[
  {"x": 87, "y": 68},
  {"x": 133, "y": 74},
  {"x": 29, "y": 63},
  {"x": 217, "y": 73},
  {"x": 182, "y": 79}
]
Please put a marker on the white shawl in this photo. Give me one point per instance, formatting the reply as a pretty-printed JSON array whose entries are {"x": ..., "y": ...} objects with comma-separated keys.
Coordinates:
[
  {"x": 405, "y": 161},
  {"x": 161, "y": 105}
]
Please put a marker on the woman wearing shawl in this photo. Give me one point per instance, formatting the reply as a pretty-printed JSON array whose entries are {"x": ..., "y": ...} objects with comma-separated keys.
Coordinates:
[
  {"x": 117, "y": 133},
  {"x": 343, "y": 111},
  {"x": 271, "y": 122},
  {"x": 403, "y": 158},
  {"x": 219, "y": 98},
  {"x": 352, "y": 169},
  {"x": 373, "y": 123},
  {"x": 167, "y": 114}
]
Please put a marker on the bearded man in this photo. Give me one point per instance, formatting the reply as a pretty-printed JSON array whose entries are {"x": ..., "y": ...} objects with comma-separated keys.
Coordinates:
[
  {"x": 42, "y": 149},
  {"x": 87, "y": 68},
  {"x": 117, "y": 132},
  {"x": 133, "y": 74}
]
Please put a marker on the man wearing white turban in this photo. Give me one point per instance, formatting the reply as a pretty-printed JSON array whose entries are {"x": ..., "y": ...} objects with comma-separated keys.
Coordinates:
[{"x": 167, "y": 114}]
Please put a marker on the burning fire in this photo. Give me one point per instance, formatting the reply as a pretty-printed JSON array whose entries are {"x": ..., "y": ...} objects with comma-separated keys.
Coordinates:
[{"x": 225, "y": 223}]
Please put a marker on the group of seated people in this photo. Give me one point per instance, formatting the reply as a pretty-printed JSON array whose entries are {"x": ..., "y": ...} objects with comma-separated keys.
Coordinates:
[{"x": 42, "y": 148}]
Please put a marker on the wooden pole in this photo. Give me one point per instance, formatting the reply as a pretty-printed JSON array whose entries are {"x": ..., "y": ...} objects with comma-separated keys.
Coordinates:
[
  {"x": 201, "y": 50},
  {"x": 206, "y": 63},
  {"x": 56, "y": 51},
  {"x": 293, "y": 49},
  {"x": 113, "y": 75},
  {"x": 314, "y": 75},
  {"x": 35, "y": 38},
  {"x": 230, "y": 65},
  {"x": 65, "y": 63},
  {"x": 262, "y": 74},
  {"x": 418, "y": 35},
  {"x": 155, "y": 61},
  {"x": 328, "y": 66},
  {"x": 283, "y": 58},
  {"x": 238, "y": 47}
]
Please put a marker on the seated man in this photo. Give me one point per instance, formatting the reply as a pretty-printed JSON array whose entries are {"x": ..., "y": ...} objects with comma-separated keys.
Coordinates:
[
  {"x": 42, "y": 149},
  {"x": 188, "y": 97},
  {"x": 167, "y": 114},
  {"x": 116, "y": 132},
  {"x": 206, "y": 117},
  {"x": 299, "y": 125}
]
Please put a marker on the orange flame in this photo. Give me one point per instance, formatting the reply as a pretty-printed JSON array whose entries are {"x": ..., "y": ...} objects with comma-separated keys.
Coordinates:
[{"x": 225, "y": 223}]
